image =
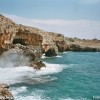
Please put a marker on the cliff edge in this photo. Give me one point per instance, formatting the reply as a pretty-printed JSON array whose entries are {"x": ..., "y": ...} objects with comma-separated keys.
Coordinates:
[{"x": 39, "y": 40}]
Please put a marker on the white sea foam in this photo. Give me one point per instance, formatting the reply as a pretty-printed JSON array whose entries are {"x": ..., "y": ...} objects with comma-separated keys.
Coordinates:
[
  {"x": 68, "y": 98},
  {"x": 50, "y": 69},
  {"x": 32, "y": 97},
  {"x": 35, "y": 95},
  {"x": 10, "y": 74},
  {"x": 14, "y": 74},
  {"x": 27, "y": 74},
  {"x": 65, "y": 52},
  {"x": 44, "y": 57},
  {"x": 59, "y": 56},
  {"x": 15, "y": 91}
]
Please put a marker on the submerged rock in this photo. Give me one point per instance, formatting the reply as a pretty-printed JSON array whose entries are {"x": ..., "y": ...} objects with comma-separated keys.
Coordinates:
[{"x": 5, "y": 94}]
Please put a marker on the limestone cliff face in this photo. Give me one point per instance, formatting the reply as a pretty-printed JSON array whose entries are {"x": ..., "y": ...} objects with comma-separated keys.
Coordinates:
[
  {"x": 7, "y": 31},
  {"x": 52, "y": 43},
  {"x": 28, "y": 37},
  {"x": 39, "y": 40},
  {"x": 5, "y": 94},
  {"x": 75, "y": 44},
  {"x": 48, "y": 42},
  {"x": 11, "y": 33},
  {"x": 59, "y": 40},
  {"x": 25, "y": 36}
]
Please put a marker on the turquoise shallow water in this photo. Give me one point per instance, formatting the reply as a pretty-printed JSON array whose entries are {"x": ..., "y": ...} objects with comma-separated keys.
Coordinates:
[{"x": 69, "y": 76}]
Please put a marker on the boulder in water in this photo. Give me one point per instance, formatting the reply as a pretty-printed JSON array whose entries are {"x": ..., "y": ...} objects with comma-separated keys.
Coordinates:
[{"x": 37, "y": 65}]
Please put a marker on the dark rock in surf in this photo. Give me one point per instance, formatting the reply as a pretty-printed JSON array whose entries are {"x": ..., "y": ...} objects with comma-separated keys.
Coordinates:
[{"x": 37, "y": 65}]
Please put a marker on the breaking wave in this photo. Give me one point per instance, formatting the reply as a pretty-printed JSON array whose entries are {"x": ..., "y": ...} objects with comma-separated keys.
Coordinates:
[
  {"x": 28, "y": 74},
  {"x": 34, "y": 95}
]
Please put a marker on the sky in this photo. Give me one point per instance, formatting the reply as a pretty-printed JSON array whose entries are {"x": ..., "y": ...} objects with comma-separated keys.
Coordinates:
[{"x": 73, "y": 18}]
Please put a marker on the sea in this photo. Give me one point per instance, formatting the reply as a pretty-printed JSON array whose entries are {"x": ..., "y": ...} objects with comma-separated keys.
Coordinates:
[{"x": 69, "y": 76}]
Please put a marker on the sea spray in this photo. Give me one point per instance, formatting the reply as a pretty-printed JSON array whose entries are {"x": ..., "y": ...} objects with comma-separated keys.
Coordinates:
[
  {"x": 34, "y": 95},
  {"x": 10, "y": 73},
  {"x": 49, "y": 69},
  {"x": 74, "y": 76},
  {"x": 27, "y": 74},
  {"x": 13, "y": 58}
]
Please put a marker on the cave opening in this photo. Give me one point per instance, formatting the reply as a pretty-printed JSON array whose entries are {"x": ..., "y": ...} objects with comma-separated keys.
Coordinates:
[{"x": 19, "y": 41}]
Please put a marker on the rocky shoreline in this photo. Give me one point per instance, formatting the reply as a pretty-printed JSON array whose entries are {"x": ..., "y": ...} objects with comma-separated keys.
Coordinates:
[
  {"x": 5, "y": 94},
  {"x": 41, "y": 41},
  {"x": 29, "y": 43}
]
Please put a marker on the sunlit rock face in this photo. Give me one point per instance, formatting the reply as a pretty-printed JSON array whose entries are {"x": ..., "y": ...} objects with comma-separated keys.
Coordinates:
[
  {"x": 26, "y": 37},
  {"x": 75, "y": 44},
  {"x": 11, "y": 33},
  {"x": 39, "y": 40},
  {"x": 5, "y": 94},
  {"x": 19, "y": 44},
  {"x": 7, "y": 31},
  {"x": 59, "y": 40}
]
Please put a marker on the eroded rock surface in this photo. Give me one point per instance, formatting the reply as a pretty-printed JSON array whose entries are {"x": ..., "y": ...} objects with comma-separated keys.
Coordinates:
[
  {"x": 5, "y": 93},
  {"x": 20, "y": 55},
  {"x": 75, "y": 44},
  {"x": 39, "y": 40}
]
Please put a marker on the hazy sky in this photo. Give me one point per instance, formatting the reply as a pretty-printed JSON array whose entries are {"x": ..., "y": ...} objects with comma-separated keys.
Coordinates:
[{"x": 74, "y": 18}]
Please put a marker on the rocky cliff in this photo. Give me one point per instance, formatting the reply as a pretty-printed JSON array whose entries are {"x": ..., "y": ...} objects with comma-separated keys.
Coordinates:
[
  {"x": 25, "y": 44},
  {"x": 34, "y": 38},
  {"x": 22, "y": 41},
  {"x": 11, "y": 33},
  {"x": 5, "y": 94},
  {"x": 75, "y": 44},
  {"x": 7, "y": 32},
  {"x": 40, "y": 41},
  {"x": 59, "y": 40}
]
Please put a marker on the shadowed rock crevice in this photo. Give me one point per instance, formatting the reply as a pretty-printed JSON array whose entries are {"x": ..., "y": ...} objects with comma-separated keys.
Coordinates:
[
  {"x": 19, "y": 41},
  {"x": 12, "y": 33},
  {"x": 51, "y": 52}
]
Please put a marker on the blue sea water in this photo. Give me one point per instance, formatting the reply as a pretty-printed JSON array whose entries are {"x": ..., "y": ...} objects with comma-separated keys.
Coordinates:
[{"x": 69, "y": 76}]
